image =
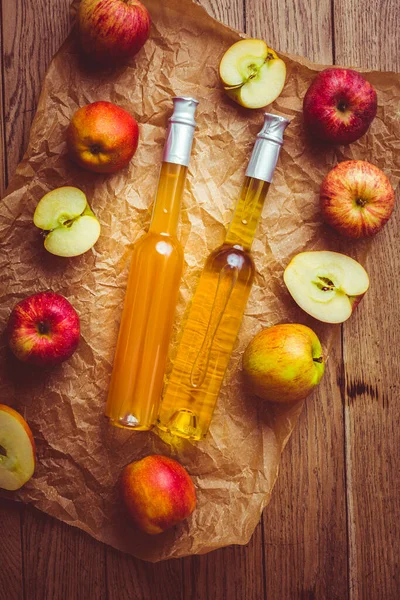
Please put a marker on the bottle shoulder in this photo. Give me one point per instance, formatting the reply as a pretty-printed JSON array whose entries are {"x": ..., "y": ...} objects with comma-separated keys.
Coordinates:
[
  {"x": 159, "y": 243},
  {"x": 232, "y": 255}
]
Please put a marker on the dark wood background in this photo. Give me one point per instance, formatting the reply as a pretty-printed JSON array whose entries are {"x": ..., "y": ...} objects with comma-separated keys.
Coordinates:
[{"x": 332, "y": 529}]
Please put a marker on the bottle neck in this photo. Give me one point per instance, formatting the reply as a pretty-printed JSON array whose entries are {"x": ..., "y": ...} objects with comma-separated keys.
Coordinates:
[
  {"x": 168, "y": 201},
  {"x": 242, "y": 228}
]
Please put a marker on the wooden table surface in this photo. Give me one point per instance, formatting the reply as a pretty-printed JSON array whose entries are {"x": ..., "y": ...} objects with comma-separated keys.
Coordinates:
[{"x": 332, "y": 529}]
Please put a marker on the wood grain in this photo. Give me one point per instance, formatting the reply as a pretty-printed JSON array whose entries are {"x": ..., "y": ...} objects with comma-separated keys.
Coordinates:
[
  {"x": 294, "y": 26},
  {"x": 3, "y": 162},
  {"x": 32, "y": 33},
  {"x": 368, "y": 36},
  {"x": 128, "y": 578},
  {"x": 11, "y": 571},
  {"x": 234, "y": 573},
  {"x": 60, "y": 561}
]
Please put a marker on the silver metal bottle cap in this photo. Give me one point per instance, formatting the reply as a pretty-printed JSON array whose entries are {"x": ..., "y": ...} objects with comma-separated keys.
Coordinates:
[
  {"x": 267, "y": 147},
  {"x": 181, "y": 127}
]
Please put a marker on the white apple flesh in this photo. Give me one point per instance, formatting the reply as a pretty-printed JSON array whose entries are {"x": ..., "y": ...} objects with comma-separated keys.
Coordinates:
[
  {"x": 252, "y": 73},
  {"x": 326, "y": 285},
  {"x": 17, "y": 450},
  {"x": 71, "y": 226}
]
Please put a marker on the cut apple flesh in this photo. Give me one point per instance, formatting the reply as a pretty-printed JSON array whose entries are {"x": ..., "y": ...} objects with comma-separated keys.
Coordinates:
[
  {"x": 75, "y": 239},
  {"x": 71, "y": 225},
  {"x": 252, "y": 73},
  {"x": 59, "y": 206},
  {"x": 17, "y": 450},
  {"x": 325, "y": 284}
]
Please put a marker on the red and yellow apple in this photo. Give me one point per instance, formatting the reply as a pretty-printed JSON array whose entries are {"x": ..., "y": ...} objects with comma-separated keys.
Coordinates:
[
  {"x": 102, "y": 137},
  {"x": 111, "y": 31},
  {"x": 283, "y": 363},
  {"x": 157, "y": 492},
  {"x": 17, "y": 450},
  {"x": 356, "y": 198},
  {"x": 339, "y": 106},
  {"x": 326, "y": 285},
  {"x": 68, "y": 222},
  {"x": 252, "y": 73},
  {"x": 43, "y": 329}
]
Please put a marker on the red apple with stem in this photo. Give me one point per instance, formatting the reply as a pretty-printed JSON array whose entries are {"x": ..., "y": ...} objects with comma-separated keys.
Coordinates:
[
  {"x": 111, "y": 31},
  {"x": 339, "y": 106},
  {"x": 356, "y": 198},
  {"x": 43, "y": 329}
]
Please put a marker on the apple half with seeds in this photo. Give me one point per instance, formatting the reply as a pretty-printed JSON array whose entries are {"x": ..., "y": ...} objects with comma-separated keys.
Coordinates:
[
  {"x": 326, "y": 285},
  {"x": 252, "y": 73},
  {"x": 17, "y": 450},
  {"x": 70, "y": 225}
]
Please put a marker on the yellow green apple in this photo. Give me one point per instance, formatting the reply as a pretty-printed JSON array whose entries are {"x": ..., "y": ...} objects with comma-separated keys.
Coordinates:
[
  {"x": 252, "y": 73},
  {"x": 283, "y": 363},
  {"x": 326, "y": 285},
  {"x": 70, "y": 225}
]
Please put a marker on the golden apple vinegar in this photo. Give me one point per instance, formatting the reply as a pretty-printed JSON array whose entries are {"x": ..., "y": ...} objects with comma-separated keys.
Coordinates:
[
  {"x": 152, "y": 291},
  {"x": 219, "y": 302}
]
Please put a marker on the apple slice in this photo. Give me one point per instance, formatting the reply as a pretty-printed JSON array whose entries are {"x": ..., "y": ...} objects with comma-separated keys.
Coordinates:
[
  {"x": 252, "y": 73},
  {"x": 326, "y": 285},
  {"x": 17, "y": 450},
  {"x": 71, "y": 225}
]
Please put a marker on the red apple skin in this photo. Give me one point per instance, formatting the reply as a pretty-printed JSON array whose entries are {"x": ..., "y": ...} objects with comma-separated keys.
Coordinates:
[
  {"x": 102, "y": 137},
  {"x": 356, "y": 198},
  {"x": 43, "y": 329},
  {"x": 339, "y": 106},
  {"x": 157, "y": 492},
  {"x": 112, "y": 31},
  {"x": 20, "y": 419}
]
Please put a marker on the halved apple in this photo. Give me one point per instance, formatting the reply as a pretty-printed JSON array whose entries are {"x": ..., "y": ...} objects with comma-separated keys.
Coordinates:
[
  {"x": 71, "y": 226},
  {"x": 252, "y": 73},
  {"x": 17, "y": 450},
  {"x": 326, "y": 285}
]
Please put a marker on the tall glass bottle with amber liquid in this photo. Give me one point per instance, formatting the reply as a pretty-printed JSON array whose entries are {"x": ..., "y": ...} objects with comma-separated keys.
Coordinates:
[
  {"x": 219, "y": 301},
  {"x": 153, "y": 285}
]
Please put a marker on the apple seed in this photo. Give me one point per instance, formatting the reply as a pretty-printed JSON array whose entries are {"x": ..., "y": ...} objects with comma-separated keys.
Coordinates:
[{"x": 327, "y": 284}]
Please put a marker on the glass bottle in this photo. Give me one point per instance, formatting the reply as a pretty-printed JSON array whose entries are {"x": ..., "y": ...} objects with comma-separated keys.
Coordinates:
[
  {"x": 152, "y": 291},
  {"x": 220, "y": 300}
]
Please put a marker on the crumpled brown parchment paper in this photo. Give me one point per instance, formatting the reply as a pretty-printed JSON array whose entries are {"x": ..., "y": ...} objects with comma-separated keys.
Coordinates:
[{"x": 80, "y": 456}]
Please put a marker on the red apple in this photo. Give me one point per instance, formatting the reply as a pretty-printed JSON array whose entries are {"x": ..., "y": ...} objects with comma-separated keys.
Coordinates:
[
  {"x": 102, "y": 137},
  {"x": 158, "y": 493},
  {"x": 339, "y": 106},
  {"x": 356, "y": 198},
  {"x": 43, "y": 329},
  {"x": 111, "y": 31}
]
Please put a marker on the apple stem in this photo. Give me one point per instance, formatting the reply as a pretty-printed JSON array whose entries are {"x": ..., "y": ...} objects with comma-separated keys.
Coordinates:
[
  {"x": 95, "y": 148},
  {"x": 319, "y": 359},
  {"x": 43, "y": 328}
]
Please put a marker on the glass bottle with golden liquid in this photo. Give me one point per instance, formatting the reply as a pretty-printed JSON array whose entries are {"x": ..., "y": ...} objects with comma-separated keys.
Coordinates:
[
  {"x": 152, "y": 291},
  {"x": 219, "y": 301}
]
